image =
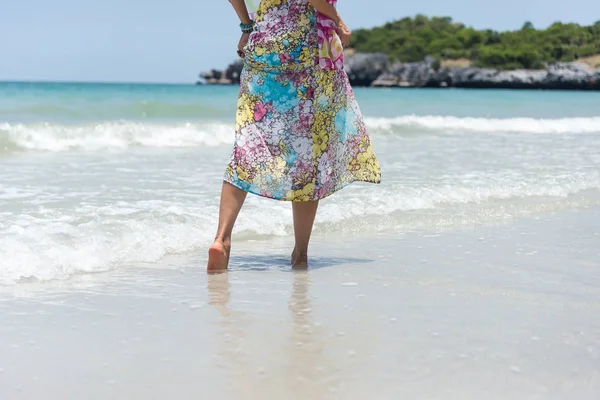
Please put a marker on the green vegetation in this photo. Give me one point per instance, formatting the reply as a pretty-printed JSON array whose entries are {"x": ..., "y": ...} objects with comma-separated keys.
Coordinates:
[{"x": 412, "y": 39}]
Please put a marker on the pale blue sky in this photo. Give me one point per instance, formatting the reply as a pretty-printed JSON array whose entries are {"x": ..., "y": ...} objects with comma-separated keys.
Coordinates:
[{"x": 171, "y": 41}]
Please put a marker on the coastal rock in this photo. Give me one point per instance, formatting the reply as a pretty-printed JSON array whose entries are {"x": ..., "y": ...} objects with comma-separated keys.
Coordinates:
[
  {"x": 234, "y": 71},
  {"x": 212, "y": 77},
  {"x": 417, "y": 74},
  {"x": 364, "y": 68},
  {"x": 228, "y": 77},
  {"x": 387, "y": 79},
  {"x": 470, "y": 77},
  {"x": 561, "y": 76},
  {"x": 572, "y": 76},
  {"x": 374, "y": 69},
  {"x": 212, "y": 74}
]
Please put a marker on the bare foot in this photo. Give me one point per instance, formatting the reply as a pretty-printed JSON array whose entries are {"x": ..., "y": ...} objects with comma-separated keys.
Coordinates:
[
  {"x": 218, "y": 257},
  {"x": 299, "y": 261}
]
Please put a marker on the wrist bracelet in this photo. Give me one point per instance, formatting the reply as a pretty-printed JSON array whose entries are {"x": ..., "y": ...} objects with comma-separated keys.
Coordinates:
[{"x": 247, "y": 28}]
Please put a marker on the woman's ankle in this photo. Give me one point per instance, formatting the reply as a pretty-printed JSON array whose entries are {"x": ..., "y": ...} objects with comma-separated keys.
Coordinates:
[
  {"x": 300, "y": 253},
  {"x": 225, "y": 240}
]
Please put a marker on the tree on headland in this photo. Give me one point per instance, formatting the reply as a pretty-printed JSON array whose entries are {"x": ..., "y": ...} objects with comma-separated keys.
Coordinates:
[
  {"x": 412, "y": 39},
  {"x": 527, "y": 25}
]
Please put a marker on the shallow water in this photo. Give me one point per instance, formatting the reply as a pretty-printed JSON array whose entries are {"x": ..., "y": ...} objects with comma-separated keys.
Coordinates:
[
  {"x": 489, "y": 312},
  {"x": 97, "y": 177}
]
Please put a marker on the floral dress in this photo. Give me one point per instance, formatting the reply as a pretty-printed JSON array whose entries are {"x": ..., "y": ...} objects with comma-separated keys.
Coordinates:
[{"x": 300, "y": 135}]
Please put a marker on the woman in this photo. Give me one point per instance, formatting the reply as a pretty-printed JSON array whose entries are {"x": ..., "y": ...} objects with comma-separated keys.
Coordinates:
[{"x": 300, "y": 135}]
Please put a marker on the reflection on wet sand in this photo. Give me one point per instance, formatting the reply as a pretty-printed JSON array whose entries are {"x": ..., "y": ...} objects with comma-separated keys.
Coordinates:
[
  {"x": 296, "y": 366},
  {"x": 230, "y": 357},
  {"x": 308, "y": 377}
]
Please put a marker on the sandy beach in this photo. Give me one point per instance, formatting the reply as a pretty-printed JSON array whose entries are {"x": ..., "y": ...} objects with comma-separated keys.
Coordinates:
[{"x": 497, "y": 312}]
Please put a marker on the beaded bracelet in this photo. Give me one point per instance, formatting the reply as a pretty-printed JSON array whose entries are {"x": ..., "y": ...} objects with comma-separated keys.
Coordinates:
[{"x": 247, "y": 28}]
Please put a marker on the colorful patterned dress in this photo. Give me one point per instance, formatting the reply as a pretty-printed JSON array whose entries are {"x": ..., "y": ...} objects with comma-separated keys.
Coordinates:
[{"x": 300, "y": 135}]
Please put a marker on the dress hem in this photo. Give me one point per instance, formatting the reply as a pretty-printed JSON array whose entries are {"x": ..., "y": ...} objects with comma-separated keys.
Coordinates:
[{"x": 302, "y": 201}]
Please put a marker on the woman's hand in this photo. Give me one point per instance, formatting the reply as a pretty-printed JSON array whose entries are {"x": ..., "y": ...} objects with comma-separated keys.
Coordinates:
[
  {"x": 344, "y": 33},
  {"x": 330, "y": 12},
  {"x": 243, "y": 42}
]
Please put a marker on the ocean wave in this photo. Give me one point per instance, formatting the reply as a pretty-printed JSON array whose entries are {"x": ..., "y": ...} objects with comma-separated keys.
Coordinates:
[
  {"x": 59, "y": 243},
  {"x": 50, "y": 137},
  {"x": 111, "y": 135},
  {"x": 451, "y": 124},
  {"x": 57, "y": 248}
]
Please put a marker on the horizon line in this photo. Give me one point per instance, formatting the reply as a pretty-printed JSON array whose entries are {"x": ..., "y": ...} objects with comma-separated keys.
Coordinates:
[{"x": 107, "y": 82}]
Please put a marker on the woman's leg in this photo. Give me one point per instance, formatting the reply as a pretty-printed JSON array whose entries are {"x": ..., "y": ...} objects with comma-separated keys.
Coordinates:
[
  {"x": 232, "y": 200},
  {"x": 304, "y": 217}
]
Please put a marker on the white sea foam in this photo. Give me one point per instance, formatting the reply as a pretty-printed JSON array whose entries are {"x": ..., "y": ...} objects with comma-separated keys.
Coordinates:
[
  {"x": 111, "y": 135},
  {"x": 58, "y": 243},
  {"x": 58, "y": 246},
  {"x": 485, "y": 125},
  {"x": 123, "y": 135}
]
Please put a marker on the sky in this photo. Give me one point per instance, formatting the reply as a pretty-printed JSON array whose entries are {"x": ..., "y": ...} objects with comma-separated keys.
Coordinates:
[{"x": 172, "y": 41}]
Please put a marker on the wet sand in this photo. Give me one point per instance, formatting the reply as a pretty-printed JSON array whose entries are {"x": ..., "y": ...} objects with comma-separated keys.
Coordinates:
[{"x": 498, "y": 312}]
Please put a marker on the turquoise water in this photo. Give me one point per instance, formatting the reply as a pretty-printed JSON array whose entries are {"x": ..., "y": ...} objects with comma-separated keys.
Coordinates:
[
  {"x": 70, "y": 102},
  {"x": 102, "y": 176}
]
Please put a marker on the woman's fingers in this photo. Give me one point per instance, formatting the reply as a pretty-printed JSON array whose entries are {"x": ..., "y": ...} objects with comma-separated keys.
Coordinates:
[
  {"x": 242, "y": 43},
  {"x": 345, "y": 38}
]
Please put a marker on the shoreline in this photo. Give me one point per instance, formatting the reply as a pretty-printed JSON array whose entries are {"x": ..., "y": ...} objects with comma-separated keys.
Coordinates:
[{"x": 500, "y": 312}]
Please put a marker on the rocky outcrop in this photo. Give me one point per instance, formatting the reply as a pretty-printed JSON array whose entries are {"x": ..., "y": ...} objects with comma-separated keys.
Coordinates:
[
  {"x": 470, "y": 77},
  {"x": 407, "y": 75},
  {"x": 228, "y": 77},
  {"x": 234, "y": 71},
  {"x": 387, "y": 79},
  {"x": 565, "y": 76},
  {"x": 573, "y": 76},
  {"x": 214, "y": 77},
  {"x": 364, "y": 68},
  {"x": 374, "y": 69}
]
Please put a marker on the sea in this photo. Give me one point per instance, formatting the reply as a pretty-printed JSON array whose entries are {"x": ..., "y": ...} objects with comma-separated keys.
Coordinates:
[{"x": 101, "y": 177}]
